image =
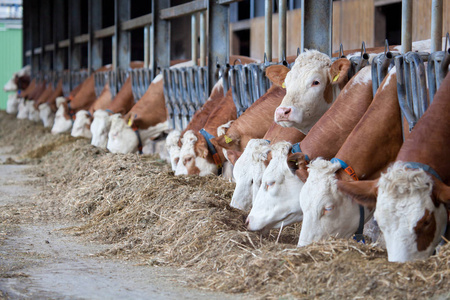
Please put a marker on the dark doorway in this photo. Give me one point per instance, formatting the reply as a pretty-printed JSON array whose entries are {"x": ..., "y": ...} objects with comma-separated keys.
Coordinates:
[{"x": 388, "y": 24}]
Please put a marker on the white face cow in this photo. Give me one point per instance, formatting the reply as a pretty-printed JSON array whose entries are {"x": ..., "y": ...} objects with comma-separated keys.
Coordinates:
[
  {"x": 410, "y": 220},
  {"x": 12, "y": 106},
  {"x": 311, "y": 87},
  {"x": 277, "y": 201},
  {"x": 11, "y": 86},
  {"x": 248, "y": 171},
  {"x": 33, "y": 113},
  {"x": 81, "y": 125},
  {"x": 326, "y": 210},
  {"x": 22, "y": 113},
  {"x": 173, "y": 148},
  {"x": 62, "y": 122},
  {"x": 190, "y": 162},
  {"x": 121, "y": 137},
  {"x": 100, "y": 128},
  {"x": 46, "y": 115}
]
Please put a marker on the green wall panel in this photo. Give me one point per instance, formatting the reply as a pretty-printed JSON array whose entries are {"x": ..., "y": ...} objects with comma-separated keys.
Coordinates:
[{"x": 10, "y": 58}]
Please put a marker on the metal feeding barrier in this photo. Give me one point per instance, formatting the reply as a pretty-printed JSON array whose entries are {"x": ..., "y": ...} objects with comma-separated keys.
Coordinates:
[
  {"x": 185, "y": 91},
  {"x": 380, "y": 66},
  {"x": 411, "y": 86},
  {"x": 140, "y": 81},
  {"x": 115, "y": 80},
  {"x": 437, "y": 68}
]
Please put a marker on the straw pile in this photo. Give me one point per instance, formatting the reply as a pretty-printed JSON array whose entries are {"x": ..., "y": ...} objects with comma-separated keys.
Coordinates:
[{"x": 143, "y": 211}]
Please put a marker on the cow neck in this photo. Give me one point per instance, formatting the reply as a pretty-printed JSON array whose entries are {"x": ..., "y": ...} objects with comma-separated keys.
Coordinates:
[
  {"x": 429, "y": 141},
  {"x": 377, "y": 137},
  {"x": 278, "y": 133},
  {"x": 150, "y": 110},
  {"x": 258, "y": 118},
  {"x": 329, "y": 133},
  {"x": 102, "y": 101},
  {"x": 29, "y": 89},
  {"x": 86, "y": 96},
  {"x": 124, "y": 99}
]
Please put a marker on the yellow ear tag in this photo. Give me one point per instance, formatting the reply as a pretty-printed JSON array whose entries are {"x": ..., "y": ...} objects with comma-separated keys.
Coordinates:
[
  {"x": 283, "y": 85},
  {"x": 336, "y": 78},
  {"x": 228, "y": 139},
  {"x": 130, "y": 121}
]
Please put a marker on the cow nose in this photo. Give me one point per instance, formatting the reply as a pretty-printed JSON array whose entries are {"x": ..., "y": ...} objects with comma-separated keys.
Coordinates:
[{"x": 282, "y": 114}]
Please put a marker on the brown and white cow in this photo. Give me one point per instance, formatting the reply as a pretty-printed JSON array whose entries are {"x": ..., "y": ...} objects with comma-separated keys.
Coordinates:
[
  {"x": 47, "y": 110},
  {"x": 411, "y": 197},
  {"x": 274, "y": 202},
  {"x": 312, "y": 85},
  {"x": 372, "y": 145}
]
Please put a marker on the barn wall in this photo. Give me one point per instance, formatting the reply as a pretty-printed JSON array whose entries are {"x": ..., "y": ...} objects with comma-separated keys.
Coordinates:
[
  {"x": 10, "y": 57},
  {"x": 422, "y": 19}
]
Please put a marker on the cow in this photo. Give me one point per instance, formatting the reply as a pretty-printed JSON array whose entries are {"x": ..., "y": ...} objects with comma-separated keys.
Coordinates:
[
  {"x": 413, "y": 196},
  {"x": 81, "y": 100},
  {"x": 312, "y": 85},
  {"x": 12, "y": 105},
  {"x": 19, "y": 81},
  {"x": 47, "y": 110},
  {"x": 323, "y": 140},
  {"x": 250, "y": 166},
  {"x": 376, "y": 140},
  {"x": 63, "y": 121},
  {"x": 82, "y": 125}
]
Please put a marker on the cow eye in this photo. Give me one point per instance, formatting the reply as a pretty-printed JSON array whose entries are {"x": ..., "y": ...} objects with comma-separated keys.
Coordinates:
[
  {"x": 270, "y": 184},
  {"x": 328, "y": 209},
  {"x": 315, "y": 82}
]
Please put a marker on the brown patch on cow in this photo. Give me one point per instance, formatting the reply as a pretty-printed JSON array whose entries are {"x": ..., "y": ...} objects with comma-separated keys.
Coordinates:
[
  {"x": 269, "y": 158},
  {"x": 298, "y": 165},
  {"x": 328, "y": 93},
  {"x": 339, "y": 70},
  {"x": 425, "y": 230}
]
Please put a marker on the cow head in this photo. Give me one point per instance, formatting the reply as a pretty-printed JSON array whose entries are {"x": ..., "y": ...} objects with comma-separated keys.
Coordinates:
[
  {"x": 194, "y": 156},
  {"x": 100, "y": 127},
  {"x": 22, "y": 112},
  {"x": 81, "y": 125},
  {"x": 121, "y": 137},
  {"x": 172, "y": 147},
  {"x": 248, "y": 171},
  {"x": 11, "y": 85},
  {"x": 33, "y": 113},
  {"x": 326, "y": 210},
  {"x": 311, "y": 87},
  {"x": 409, "y": 210},
  {"x": 46, "y": 115},
  {"x": 63, "y": 122},
  {"x": 12, "y": 106},
  {"x": 276, "y": 202}
]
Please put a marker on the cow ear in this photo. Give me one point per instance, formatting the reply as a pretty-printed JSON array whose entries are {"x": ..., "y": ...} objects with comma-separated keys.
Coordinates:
[
  {"x": 442, "y": 192},
  {"x": 277, "y": 74},
  {"x": 339, "y": 72},
  {"x": 363, "y": 192},
  {"x": 297, "y": 164},
  {"x": 233, "y": 156}
]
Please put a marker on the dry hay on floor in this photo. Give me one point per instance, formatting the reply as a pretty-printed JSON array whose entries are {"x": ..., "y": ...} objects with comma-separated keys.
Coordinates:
[
  {"x": 30, "y": 140},
  {"x": 136, "y": 204}
]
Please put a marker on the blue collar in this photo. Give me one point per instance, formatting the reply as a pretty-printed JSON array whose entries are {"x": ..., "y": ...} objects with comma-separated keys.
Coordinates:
[
  {"x": 208, "y": 136},
  {"x": 426, "y": 168},
  {"x": 140, "y": 147},
  {"x": 296, "y": 149},
  {"x": 109, "y": 111}
]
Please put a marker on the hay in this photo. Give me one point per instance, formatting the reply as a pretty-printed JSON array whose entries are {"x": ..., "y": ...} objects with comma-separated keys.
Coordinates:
[{"x": 143, "y": 211}]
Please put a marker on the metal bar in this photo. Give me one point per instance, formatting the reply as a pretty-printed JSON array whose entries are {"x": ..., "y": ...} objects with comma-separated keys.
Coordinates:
[
  {"x": 138, "y": 22},
  {"x": 282, "y": 12},
  {"x": 49, "y": 47},
  {"x": 406, "y": 26},
  {"x": 218, "y": 47},
  {"x": 37, "y": 50},
  {"x": 241, "y": 25},
  {"x": 436, "y": 25},
  {"x": 147, "y": 46},
  {"x": 317, "y": 31},
  {"x": 161, "y": 37},
  {"x": 194, "y": 35},
  {"x": 222, "y": 2},
  {"x": 183, "y": 9},
  {"x": 268, "y": 29},
  {"x": 151, "y": 46},
  {"x": 95, "y": 46},
  {"x": 28, "y": 53},
  {"x": 64, "y": 43},
  {"x": 105, "y": 32},
  {"x": 122, "y": 51},
  {"x": 81, "y": 39},
  {"x": 203, "y": 29}
]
